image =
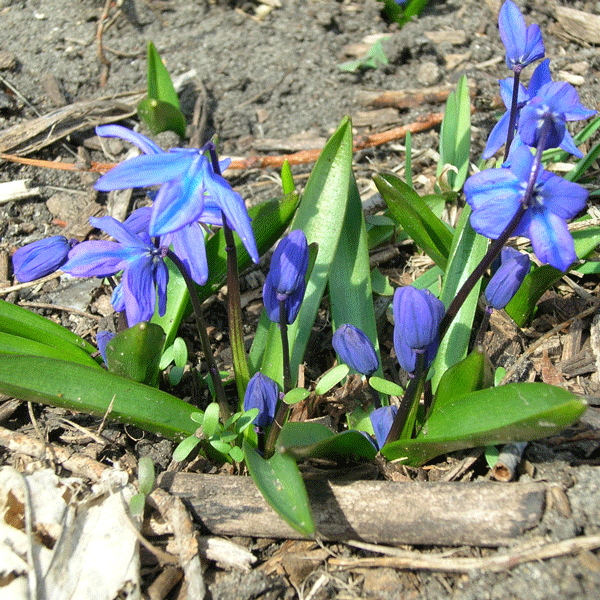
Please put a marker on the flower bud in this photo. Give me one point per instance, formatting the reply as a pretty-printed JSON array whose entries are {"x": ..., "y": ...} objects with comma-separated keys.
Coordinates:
[
  {"x": 382, "y": 419},
  {"x": 292, "y": 302},
  {"x": 506, "y": 281},
  {"x": 407, "y": 357},
  {"x": 262, "y": 393},
  {"x": 417, "y": 316},
  {"x": 102, "y": 340},
  {"x": 289, "y": 263},
  {"x": 40, "y": 258},
  {"x": 355, "y": 349}
]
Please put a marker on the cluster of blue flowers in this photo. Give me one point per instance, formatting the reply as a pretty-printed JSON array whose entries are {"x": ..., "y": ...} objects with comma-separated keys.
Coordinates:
[
  {"x": 535, "y": 121},
  {"x": 192, "y": 192}
]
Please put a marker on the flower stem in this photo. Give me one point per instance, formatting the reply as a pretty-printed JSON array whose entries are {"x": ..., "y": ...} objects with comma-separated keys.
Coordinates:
[
  {"x": 201, "y": 325},
  {"x": 514, "y": 107}
]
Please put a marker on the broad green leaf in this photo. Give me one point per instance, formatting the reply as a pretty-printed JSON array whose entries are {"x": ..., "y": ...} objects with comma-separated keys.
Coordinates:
[
  {"x": 455, "y": 136},
  {"x": 381, "y": 284},
  {"x": 296, "y": 395},
  {"x": 90, "y": 390},
  {"x": 146, "y": 474},
  {"x": 468, "y": 248},
  {"x": 523, "y": 303},
  {"x": 210, "y": 424},
  {"x": 517, "y": 412},
  {"x": 137, "y": 504},
  {"x": 160, "y": 85},
  {"x": 135, "y": 353},
  {"x": 246, "y": 420},
  {"x": 386, "y": 387},
  {"x": 469, "y": 375},
  {"x": 350, "y": 293},
  {"x": 269, "y": 221},
  {"x": 281, "y": 484},
  {"x": 14, "y": 344},
  {"x": 161, "y": 116},
  {"x": 320, "y": 215},
  {"x": 411, "y": 212},
  {"x": 313, "y": 440},
  {"x": 24, "y": 323},
  {"x": 331, "y": 378},
  {"x": 185, "y": 447}
]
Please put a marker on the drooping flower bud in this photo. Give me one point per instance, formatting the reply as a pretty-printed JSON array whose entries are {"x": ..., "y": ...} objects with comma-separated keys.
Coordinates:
[
  {"x": 417, "y": 316},
  {"x": 355, "y": 349},
  {"x": 382, "y": 419},
  {"x": 285, "y": 281},
  {"x": 41, "y": 258},
  {"x": 102, "y": 340},
  {"x": 508, "y": 278},
  {"x": 262, "y": 393}
]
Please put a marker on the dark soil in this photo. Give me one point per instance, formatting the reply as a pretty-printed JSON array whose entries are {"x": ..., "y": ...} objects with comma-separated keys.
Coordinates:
[{"x": 267, "y": 82}]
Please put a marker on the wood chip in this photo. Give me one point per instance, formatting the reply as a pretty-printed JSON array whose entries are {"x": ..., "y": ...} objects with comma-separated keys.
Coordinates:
[{"x": 579, "y": 25}]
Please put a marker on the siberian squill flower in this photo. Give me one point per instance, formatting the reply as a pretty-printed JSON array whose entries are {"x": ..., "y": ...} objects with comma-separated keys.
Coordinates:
[
  {"x": 41, "y": 258},
  {"x": 495, "y": 196},
  {"x": 507, "y": 280},
  {"x": 382, "y": 419},
  {"x": 417, "y": 317},
  {"x": 142, "y": 264},
  {"x": 286, "y": 278},
  {"x": 555, "y": 102},
  {"x": 355, "y": 349},
  {"x": 188, "y": 181},
  {"x": 262, "y": 393},
  {"x": 523, "y": 44}
]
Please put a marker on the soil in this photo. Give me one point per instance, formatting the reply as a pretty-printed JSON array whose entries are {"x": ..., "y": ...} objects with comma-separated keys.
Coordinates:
[{"x": 266, "y": 77}]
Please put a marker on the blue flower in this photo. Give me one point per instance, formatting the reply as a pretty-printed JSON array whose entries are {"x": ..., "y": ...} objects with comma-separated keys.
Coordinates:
[
  {"x": 141, "y": 262},
  {"x": 355, "y": 349},
  {"x": 41, "y": 258},
  {"x": 523, "y": 44},
  {"x": 506, "y": 281},
  {"x": 286, "y": 278},
  {"x": 557, "y": 102},
  {"x": 262, "y": 393},
  {"x": 499, "y": 133},
  {"x": 382, "y": 419},
  {"x": 417, "y": 316},
  {"x": 102, "y": 340},
  {"x": 188, "y": 181},
  {"x": 407, "y": 356},
  {"x": 496, "y": 194}
]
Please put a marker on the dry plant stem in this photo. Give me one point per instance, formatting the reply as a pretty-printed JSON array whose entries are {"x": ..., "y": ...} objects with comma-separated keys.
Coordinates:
[
  {"x": 101, "y": 56},
  {"x": 208, "y": 355},
  {"x": 508, "y": 462},
  {"x": 513, "y": 114}
]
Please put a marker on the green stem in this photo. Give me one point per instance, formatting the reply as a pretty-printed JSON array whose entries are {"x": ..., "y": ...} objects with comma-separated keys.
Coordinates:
[{"x": 201, "y": 325}]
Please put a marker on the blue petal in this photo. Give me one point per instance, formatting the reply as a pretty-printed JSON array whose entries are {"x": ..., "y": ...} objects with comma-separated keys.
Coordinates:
[
  {"x": 146, "y": 145},
  {"x": 137, "y": 222},
  {"x": 512, "y": 31},
  {"x": 262, "y": 393},
  {"x": 161, "y": 276},
  {"x": 40, "y": 258},
  {"x": 497, "y": 137},
  {"x": 551, "y": 240},
  {"x": 96, "y": 258},
  {"x": 147, "y": 169},
  {"x": 355, "y": 349},
  {"x": 119, "y": 231},
  {"x": 382, "y": 419},
  {"x": 563, "y": 198},
  {"x": 138, "y": 290},
  {"x": 270, "y": 300},
  {"x": 289, "y": 262},
  {"x": 102, "y": 340},
  {"x": 568, "y": 145},
  {"x": 506, "y": 281},
  {"x": 188, "y": 244},
  {"x": 540, "y": 76}
]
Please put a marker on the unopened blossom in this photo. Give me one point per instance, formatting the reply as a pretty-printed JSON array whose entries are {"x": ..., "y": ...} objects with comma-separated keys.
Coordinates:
[
  {"x": 382, "y": 419},
  {"x": 495, "y": 195},
  {"x": 507, "y": 280},
  {"x": 355, "y": 349},
  {"x": 144, "y": 270},
  {"x": 262, "y": 393},
  {"x": 523, "y": 44},
  {"x": 41, "y": 258},
  {"x": 102, "y": 340}
]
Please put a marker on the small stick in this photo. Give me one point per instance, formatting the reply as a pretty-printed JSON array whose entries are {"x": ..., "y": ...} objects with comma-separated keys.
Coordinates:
[{"x": 508, "y": 462}]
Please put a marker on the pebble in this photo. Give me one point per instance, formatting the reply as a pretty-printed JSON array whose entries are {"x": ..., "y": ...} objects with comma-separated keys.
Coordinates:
[{"x": 429, "y": 73}]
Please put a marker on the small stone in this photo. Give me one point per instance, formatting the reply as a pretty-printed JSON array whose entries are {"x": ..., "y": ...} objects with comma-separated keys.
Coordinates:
[{"x": 429, "y": 73}]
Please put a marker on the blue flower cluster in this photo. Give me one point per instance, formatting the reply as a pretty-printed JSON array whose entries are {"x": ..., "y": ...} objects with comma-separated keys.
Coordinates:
[
  {"x": 538, "y": 122},
  {"x": 192, "y": 191}
]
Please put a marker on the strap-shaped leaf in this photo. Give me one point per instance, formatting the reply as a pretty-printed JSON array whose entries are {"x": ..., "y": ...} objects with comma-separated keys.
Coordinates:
[
  {"x": 90, "y": 390},
  {"x": 281, "y": 484},
  {"x": 517, "y": 412}
]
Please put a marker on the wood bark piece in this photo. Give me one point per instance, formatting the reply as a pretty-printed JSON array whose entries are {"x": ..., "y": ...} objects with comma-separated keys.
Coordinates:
[
  {"x": 448, "y": 514},
  {"x": 579, "y": 25}
]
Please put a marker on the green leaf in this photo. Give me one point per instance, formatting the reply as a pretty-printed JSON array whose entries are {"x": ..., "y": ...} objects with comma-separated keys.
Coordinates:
[
  {"x": 146, "y": 474},
  {"x": 269, "y": 220},
  {"x": 135, "y": 353},
  {"x": 23, "y": 323},
  {"x": 246, "y": 420},
  {"x": 381, "y": 284},
  {"x": 287, "y": 179},
  {"x": 350, "y": 293},
  {"x": 455, "y": 135},
  {"x": 331, "y": 378},
  {"x": 374, "y": 58},
  {"x": 411, "y": 212},
  {"x": 281, "y": 484},
  {"x": 516, "y": 412},
  {"x": 91, "y": 390},
  {"x": 386, "y": 387},
  {"x": 584, "y": 164},
  {"x": 137, "y": 504},
  {"x": 237, "y": 454},
  {"x": 320, "y": 215},
  {"x": 296, "y": 395},
  {"x": 161, "y": 116},
  {"x": 313, "y": 440},
  {"x": 160, "y": 85},
  {"x": 185, "y": 447},
  {"x": 210, "y": 425},
  {"x": 468, "y": 248},
  {"x": 14, "y": 344}
]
